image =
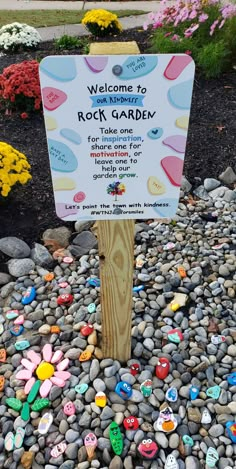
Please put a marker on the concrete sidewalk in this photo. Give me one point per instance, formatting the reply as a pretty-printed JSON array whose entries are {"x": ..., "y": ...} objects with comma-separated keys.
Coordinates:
[{"x": 76, "y": 5}]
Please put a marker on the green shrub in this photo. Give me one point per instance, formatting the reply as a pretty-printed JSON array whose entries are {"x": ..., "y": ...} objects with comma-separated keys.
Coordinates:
[{"x": 67, "y": 42}]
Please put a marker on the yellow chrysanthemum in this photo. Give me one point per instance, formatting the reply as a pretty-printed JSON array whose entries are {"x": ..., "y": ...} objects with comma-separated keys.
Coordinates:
[{"x": 14, "y": 168}]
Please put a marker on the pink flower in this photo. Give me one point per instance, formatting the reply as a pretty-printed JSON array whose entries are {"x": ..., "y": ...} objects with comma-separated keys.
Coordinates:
[
  {"x": 189, "y": 32},
  {"x": 213, "y": 27},
  {"x": 202, "y": 18},
  {"x": 175, "y": 37},
  {"x": 222, "y": 24},
  {"x": 188, "y": 52},
  {"x": 193, "y": 14},
  {"x": 157, "y": 25},
  {"x": 167, "y": 34}
]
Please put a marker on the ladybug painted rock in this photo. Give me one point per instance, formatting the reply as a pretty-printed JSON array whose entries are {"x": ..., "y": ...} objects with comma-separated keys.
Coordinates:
[{"x": 65, "y": 300}]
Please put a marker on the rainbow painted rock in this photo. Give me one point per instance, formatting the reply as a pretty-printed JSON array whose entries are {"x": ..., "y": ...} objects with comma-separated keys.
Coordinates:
[{"x": 116, "y": 438}]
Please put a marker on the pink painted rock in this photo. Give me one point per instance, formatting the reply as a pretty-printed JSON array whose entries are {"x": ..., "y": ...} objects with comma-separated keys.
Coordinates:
[
  {"x": 53, "y": 98},
  {"x": 176, "y": 65},
  {"x": 58, "y": 450},
  {"x": 69, "y": 408},
  {"x": 63, "y": 365},
  {"x": 176, "y": 142},
  {"x": 20, "y": 320},
  {"x": 28, "y": 364},
  {"x": 47, "y": 352},
  {"x": 173, "y": 167},
  {"x": 45, "y": 388},
  {"x": 29, "y": 385},
  {"x": 34, "y": 357},
  {"x": 62, "y": 375},
  {"x": 57, "y": 356},
  {"x": 24, "y": 374},
  {"x": 96, "y": 64},
  {"x": 58, "y": 382}
]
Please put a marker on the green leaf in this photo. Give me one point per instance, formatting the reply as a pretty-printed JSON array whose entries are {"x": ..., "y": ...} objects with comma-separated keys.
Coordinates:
[{"x": 14, "y": 403}]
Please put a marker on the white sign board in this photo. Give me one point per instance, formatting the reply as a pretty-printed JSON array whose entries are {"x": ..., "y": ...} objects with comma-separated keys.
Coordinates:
[{"x": 116, "y": 129}]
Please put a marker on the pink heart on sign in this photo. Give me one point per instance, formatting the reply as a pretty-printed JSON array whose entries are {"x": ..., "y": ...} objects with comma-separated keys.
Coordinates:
[
  {"x": 53, "y": 98},
  {"x": 96, "y": 64},
  {"x": 173, "y": 167}
]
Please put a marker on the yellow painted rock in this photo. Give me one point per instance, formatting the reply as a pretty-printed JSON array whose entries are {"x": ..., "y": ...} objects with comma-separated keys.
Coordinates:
[
  {"x": 182, "y": 122},
  {"x": 45, "y": 371},
  {"x": 27, "y": 459},
  {"x": 64, "y": 184},
  {"x": 50, "y": 123},
  {"x": 155, "y": 187}
]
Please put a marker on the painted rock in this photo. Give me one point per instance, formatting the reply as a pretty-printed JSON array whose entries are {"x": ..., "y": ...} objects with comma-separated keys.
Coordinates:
[
  {"x": 212, "y": 457},
  {"x": 19, "y": 437},
  {"x": 14, "y": 403},
  {"x": 47, "y": 352},
  {"x": 28, "y": 364},
  {"x": 45, "y": 371},
  {"x": 85, "y": 356},
  {"x": 2, "y": 383},
  {"x": 218, "y": 339},
  {"x": 131, "y": 423},
  {"x": 63, "y": 184},
  {"x": 155, "y": 133},
  {"x": 171, "y": 462},
  {"x": 206, "y": 417},
  {"x": 176, "y": 66},
  {"x": 45, "y": 423},
  {"x": 100, "y": 399},
  {"x": 90, "y": 443},
  {"x": 214, "y": 392},
  {"x": 182, "y": 271},
  {"x": 175, "y": 336},
  {"x": 66, "y": 299},
  {"x": 34, "y": 357},
  {"x": 92, "y": 308},
  {"x": 138, "y": 288},
  {"x": 187, "y": 440},
  {"x": 24, "y": 375},
  {"x": 12, "y": 314},
  {"x": 135, "y": 67},
  {"x": 3, "y": 355},
  {"x": 148, "y": 448},
  {"x": 146, "y": 388},
  {"x": 45, "y": 388},
  {"x": 86, "y": 330},
  {"x": 166, "y": 421},
  {"x": 81, "y": 388},
  {"x": 78, "y": 198},
  {"x": 71, "y": 135},
  {"x": 25, "y": 412},
  {"x": 9, "y": 442},
  {"x": 168, "y": 246},
  {"x": 58, "y": 450},
  {"x": 19, "y": 320},
  {"x": 155, "y": 187},
  {"x": 16, "y": 330},
  {"x": 28, "y": 296},
  {"x": 172, "y": 394},
  {"x": 232, "y": 379},
  {"x": 63, "y": 364},
  {"x": 69, "y": 408},
  {"x": 134, "y": 369},
  {"x": 182, "y": 122},
  {"x": 55, "y": 330},
  {"x": 22, "y": 344},
  {"x": 176, "y": 142},
  {"x": 62, "y": 158},
  {"x": 68, "y": 260},
  {"x": 50, "y": 123},
  {"x": 231, "y": 431},
  {"x": 60, "y": 68},
  {"x": 123, "y": 390},
  {"x": 194, "y": 392},
  {"x": 34, "y": 391},
  {"x": 162, "y": 368},
  {"x": 116, "y": 438},
  {"x": 63, "y": 284},
  {"x": 173, "y": 167},
  {"x": 174, "y": 307},
  {"x": 57, "y": 356},
  {"x": 40, "y": 404},
  {"x": 180, "y": 95},
  {"x": 96, "y": 64},
  {"x": 94, "y": 282}
]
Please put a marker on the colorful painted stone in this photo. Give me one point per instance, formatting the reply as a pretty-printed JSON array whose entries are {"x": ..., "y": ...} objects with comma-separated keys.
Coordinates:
[
  {"x": 12, "y": 314},
  {"x": 19, "y": 437},
  {"x": 96, "y": 64},
  {"x": 214, "y": 392},
  {"x": 71, "y": 135},
  {"x": 136, "y": 66},
  {"x": 55, "y": 330},
  {"x": 123, "y": 390},
  {"x": 9, "y": 441},
  {"x": 187, "y": 440},
  {"x": 176, "y": 66},
  {"x": 85, "y": 356},
  {"x": 16, "y": 330},
  {"x": 49, "y": 277},
  {"x": 45, "y": 371},
  {"x": 116, "y": 438},
  {"x": 100, "y": 399},
  {"x": 171, "y": 462},
  {"x": 25, "y": 412},
  {"x": 24, "y": 375},
  {"x": 194, "y": 392},
  {"x": 60, "y": 68},
  {"x": 28, "y": 385},
  {"x": 86, "y": 330},
  {"x": 173, "y": 167},
  {"x": 58, "y": 450},
  {"x": 34, "y": 357},
  {"x": 2, "y": 383},
  {"x": 175, "y": 336},
  {"x": 182, "y": 122},
  {"x": 134, "y": 369},
  {"x": 148, "y": 448},
  {"x": 131, "y": 423},
  {"x": 206, "y": 417},
  {"x": 138, "y": 288},
  {"x": 45, "y": 423},
  {"x": 33, "y": 392},
  {"x": 174, "y": 307},
  {"x": 22, "y": 344},
  {"x": 94, "y": 282},
  {"x": 166, "y": 421},
  {"x": 90, "y": 443},
  {"x": 45, "y": 388},
  {"x": 63, "y": 284},
  {"x": 19, "y": 320},
  {"x": 231, "y": 430},
  {"x": 62, "y": 158},
  {"x": 69, "y": 408},
  {"x": 155, "y": 186},
  {"x": 14, "y": 403},
  {"x": 162, "y": 368},
  {"x": 176, "y": 142},
  {"x": 218, "y": 339},
  {"x": 68, "y": 260},
  {"x": 180, "y": 95},
  {"x": 92, "y": 308},
  {"x": 146, "y": 388},
  {"x": 40, "y": 404},
  {"x": 172, "y": 394},
  {"x": 56, "y": 357},
  {"x": 232, "y": 379},
  {"x": 155, "y": 133},
  {"x": 182, "y": 271},
  {"x": 28, "y": 364},
  {"x": 212, "y": 457},
  {"x": 81, "y": 388},
  {"x": 168, "y": 246},
  {"x": 79, "y": 197},
  {"x": 3, "y": 355},
  {"x": 28, "y": 296},
  {"x": 66, "y": 299}
]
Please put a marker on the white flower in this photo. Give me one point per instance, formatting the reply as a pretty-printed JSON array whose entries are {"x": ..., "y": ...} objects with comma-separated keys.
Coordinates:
[{"x": 14, "y": 35}]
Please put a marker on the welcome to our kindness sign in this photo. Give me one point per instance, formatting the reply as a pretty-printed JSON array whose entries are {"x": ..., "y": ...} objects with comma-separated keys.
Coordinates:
[{"x": 117, "y": 130}]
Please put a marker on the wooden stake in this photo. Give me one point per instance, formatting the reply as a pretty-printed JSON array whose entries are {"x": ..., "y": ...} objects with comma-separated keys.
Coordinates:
[{"x": 116, "y": 252}]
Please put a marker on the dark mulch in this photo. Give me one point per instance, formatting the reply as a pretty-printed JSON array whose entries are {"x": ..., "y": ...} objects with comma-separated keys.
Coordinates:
[{"x": 211, "y": 145}]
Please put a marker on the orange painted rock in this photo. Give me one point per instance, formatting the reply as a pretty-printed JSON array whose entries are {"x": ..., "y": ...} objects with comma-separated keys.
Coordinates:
[
  {"x": 55, "y": 330},
  {"x": 2, "y": 383},
  {"x": 85, "y": 356},
  {"x": 48, "y": 277},
  {"x": 3, "y": 355}
]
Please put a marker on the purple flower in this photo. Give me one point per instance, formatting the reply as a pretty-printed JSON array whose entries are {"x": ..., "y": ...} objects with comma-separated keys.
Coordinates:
[
  {"x": 175, "y": 37},
  {"x": 202, "y": 18}
]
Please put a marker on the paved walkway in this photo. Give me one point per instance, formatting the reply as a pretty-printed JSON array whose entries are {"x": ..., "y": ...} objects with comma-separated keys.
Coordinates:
[{"x": 76, "y": 5}]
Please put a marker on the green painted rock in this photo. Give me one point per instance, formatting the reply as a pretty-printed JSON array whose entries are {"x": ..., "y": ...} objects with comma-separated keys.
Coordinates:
[
  {"x": 40, "y": 404},
  {"x": 34, "y": 391},
  {"x": 25, "y": 413},
  {"x": 14, "y": 403},
  {"x": 116, "y": 438}
]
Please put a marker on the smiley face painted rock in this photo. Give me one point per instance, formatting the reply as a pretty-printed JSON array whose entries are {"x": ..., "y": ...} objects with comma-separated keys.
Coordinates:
[
  {"x": 146, "y": 388},
  {"x": 134, "y": 369},
  {"x": 166, "y": 421},
  {"x": 131, "y": 423},
  {"x": 148, "y": 448},
  {"x": 162, "y": 368},
  {"x": 116, "y": 438},
  {"x": 66, "y": 299},
  {"x": 3, "y": 355},
  {"x": 85, "y": 356},
  {"x": 90, "y": 443},
  {"x": 123, "y": 390}
]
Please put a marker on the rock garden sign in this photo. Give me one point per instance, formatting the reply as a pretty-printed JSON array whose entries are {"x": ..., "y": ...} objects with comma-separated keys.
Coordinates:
[{"x": 116, "y": 125}]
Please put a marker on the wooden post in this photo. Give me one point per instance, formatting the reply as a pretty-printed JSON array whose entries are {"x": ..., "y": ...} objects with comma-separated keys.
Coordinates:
[{"x": 116, "y": 245}]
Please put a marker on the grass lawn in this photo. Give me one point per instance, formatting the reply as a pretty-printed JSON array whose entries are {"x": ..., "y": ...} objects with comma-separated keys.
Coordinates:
[{"x": 41, "y": 18}]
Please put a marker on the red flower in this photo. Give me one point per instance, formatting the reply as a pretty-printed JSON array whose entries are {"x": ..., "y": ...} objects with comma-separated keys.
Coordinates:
[{"x": 24, "y": 115}]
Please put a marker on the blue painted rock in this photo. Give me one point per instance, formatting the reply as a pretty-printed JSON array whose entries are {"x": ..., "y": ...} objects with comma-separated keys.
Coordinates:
[
  {"x": 16, "y": 330},
  {"x": 22, "y": 344},
  {"x": 28, "y": 296},
  {"x": 194, "y": 392}
]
